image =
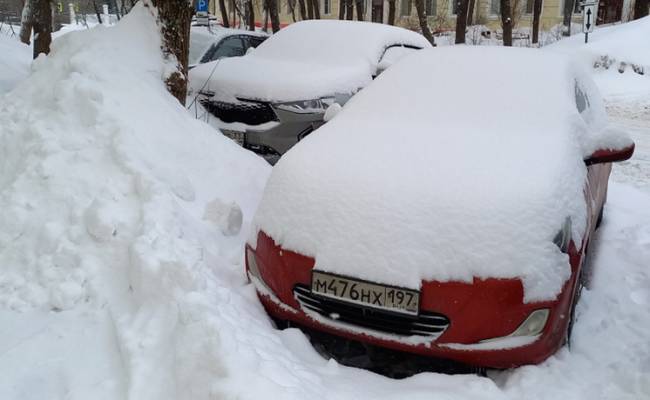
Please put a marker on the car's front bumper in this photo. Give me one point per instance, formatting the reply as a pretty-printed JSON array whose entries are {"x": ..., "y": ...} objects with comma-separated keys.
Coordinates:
[{"x": 481, "y": 314}]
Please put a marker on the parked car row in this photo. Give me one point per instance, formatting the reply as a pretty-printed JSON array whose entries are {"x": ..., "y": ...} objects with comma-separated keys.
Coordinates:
[{"x": 440, "y": 212}]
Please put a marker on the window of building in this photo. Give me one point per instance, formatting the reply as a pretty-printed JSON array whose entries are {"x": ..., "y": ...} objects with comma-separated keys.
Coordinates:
[
  {"x": 405, "y": 8},
  {"x": 495, "y": 7},
  {"x": 430, "y": 7},
  {"x": 327, "y": 7}
]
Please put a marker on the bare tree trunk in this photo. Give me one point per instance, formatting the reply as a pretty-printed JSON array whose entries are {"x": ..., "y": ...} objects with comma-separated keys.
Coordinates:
[
  {"x": 303, "y": 9},
  {"x": 27, "y": 21},
  {"x": 310, "y": 9},
  {"x": 251, "y": 15},
  {"x": 422, "y": 19},
  {"x": 272, "y": 6},
  {"x": 506, "y": 22},
  {"x": 174, "y": 19},
  {"x": 461, "y": 21},
  {"x": 537, "y": 13},
  {"x": 470, "y": 12},
  {"x": 391, "y": 12},
  {"x": 99, "y": 15},
  {"x": 42, "y": 26},
  {"x": 316, "y": 6},
  {"x": 342, "y": 9},
  {"x": 641, "y": 8},
  {"x": 359, "y": 10},
  {"x": 568, "y": 13},
  {"x": 349, "y": 10},
  {"x": 224, "y": 13}
]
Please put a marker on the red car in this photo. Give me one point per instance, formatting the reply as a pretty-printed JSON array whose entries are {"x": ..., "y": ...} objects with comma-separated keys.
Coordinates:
[{"x": 443, "y": 212}]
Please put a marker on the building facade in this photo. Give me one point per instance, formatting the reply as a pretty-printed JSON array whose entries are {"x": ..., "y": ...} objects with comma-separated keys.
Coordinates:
[{"x": 441, "y": 14}]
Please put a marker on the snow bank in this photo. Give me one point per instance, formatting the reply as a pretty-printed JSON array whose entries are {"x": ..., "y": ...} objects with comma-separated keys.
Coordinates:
[
  {"x": 14, "y": 62},
  {"x": 619, "y": 55},
  {"x": 479, "y": 195},
  {"x": 105, "y": 181},
  {"x": 306, "y": 60}
]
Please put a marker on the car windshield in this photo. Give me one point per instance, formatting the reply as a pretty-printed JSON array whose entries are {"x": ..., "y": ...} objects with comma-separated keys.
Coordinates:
[{"x": 199, "y": 42}]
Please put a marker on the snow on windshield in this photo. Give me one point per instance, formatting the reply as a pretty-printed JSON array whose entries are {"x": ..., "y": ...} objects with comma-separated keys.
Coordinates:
[{"x": 417, "y": 180}]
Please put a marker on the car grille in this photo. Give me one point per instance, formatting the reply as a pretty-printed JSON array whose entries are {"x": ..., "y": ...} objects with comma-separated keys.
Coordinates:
[
  {"x": 249, "y": 113},
  {"x": 424, "y": 324}
]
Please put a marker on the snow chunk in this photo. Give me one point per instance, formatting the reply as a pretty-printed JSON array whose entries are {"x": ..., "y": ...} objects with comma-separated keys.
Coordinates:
[{"x": 227, "y": 216}]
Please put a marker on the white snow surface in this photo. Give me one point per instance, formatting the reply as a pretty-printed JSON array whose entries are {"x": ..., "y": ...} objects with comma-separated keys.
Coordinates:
[
  {"x": 166, "y": 313},
  {"x": 402, "y": 187},
  {"x": 306, "y": 60},
  {"x": 15, "y": 58}
]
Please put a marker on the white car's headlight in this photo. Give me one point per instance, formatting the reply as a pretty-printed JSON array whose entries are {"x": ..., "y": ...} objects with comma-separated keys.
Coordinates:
[{"x": 314, "y": 106}]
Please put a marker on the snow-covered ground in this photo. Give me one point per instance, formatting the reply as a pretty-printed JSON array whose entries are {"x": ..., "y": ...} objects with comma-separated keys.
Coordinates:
[{"x": 121, "y": 263}]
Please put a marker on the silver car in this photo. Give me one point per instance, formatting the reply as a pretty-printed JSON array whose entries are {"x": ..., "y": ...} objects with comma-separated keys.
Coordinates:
[{"x": 273, "y": 97}]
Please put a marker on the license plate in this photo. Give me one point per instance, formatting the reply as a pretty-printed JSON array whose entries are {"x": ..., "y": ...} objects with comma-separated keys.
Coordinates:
[
  {"x": 349, "y": 290},
  {"x": 236, "y": 136}
]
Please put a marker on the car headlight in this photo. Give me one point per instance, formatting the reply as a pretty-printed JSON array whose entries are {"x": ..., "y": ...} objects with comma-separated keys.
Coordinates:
[
  {"x": 563, "y": 237},
  {"x": 314, "y": 106},
  {"x": 533, "y": 325}
]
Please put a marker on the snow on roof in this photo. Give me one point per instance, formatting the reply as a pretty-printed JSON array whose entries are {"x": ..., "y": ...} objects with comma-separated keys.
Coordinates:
[
  {"x": 455, "y": 163},
  {"x": 308, "y": 59}
]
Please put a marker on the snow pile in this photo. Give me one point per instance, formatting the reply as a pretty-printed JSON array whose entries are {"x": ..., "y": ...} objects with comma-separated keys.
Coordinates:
[
  {"x": 306, "y": 60},
  {"x": 620, "y": 55},
  {"x": 115, "y": 208},
  {"x": 14, "y": 62},
  {"x": 463, "y": 197}
]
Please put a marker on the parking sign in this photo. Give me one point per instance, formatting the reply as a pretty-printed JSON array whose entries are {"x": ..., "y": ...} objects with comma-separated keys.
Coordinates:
[
  {"x": 588, "y": 17},
  {"x": 202, "y": 6}
]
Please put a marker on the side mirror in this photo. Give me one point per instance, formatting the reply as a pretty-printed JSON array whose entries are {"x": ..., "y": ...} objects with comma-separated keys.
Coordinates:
[{"x": 609, "y": 155}]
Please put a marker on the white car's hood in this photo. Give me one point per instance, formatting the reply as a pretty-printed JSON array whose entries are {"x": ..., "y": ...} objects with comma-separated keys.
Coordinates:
[{"x": 258, "y": 78}]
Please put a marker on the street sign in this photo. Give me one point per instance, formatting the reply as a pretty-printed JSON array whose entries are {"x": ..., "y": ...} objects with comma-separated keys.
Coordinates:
[
  {"x": 588, "y": 17},
  {"x": 202, "y": 6}
]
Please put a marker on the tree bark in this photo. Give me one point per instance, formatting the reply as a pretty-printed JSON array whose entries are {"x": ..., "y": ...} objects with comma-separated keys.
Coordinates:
[
  {"x": 506, "y": 22},
  {"x": 26, "y": 22},
  {"x": 567, "y": 13},
  {"x": 42, "y": 26},
  {"x": 422, "y": 19},
  {"x": 641, "y": 8},
  {"x": 349, "y": 10},
  {"x": 303, "y": 9},
  {"x": 461, "y": 21},
  {"x": 359, "y": 4},
  {"x": 391, "y": 12},
  {"x": 174, "y": 19},
  {"x": 272, "y": 6},
  {"x": 224, "y": 14},
  {"x": 310, "y": 9},
  {"x": 341, "y": 9},
  {"x": 470, "y": 12},
  {"x": 316, "y": 7},
  {"x": 537, "y": 13},
  {"x": 251, "y": 15},
  {"x": 99, "y": 14}
]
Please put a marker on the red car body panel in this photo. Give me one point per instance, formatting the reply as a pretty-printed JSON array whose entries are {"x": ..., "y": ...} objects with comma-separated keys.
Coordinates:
[{"x": 480, "y": 310}]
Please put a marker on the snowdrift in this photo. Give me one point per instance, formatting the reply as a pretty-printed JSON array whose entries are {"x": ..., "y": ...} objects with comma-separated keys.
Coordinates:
[{"x": 14, "y": 61}]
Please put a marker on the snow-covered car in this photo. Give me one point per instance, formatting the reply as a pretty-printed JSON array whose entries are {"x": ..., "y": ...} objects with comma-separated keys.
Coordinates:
[
  {"x": 215, "y": 43},
  {"x": 443, "y": 212},
  {"x": 275, "y": 96}
]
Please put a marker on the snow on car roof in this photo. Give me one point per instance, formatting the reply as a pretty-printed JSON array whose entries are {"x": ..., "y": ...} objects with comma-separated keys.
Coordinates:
[
  {"x": 306, "y": 60},
  {"x": 456, "y": 163}
]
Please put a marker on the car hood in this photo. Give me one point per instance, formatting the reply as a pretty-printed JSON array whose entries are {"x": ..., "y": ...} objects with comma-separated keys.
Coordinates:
[{"x": 263, "y": 79}]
